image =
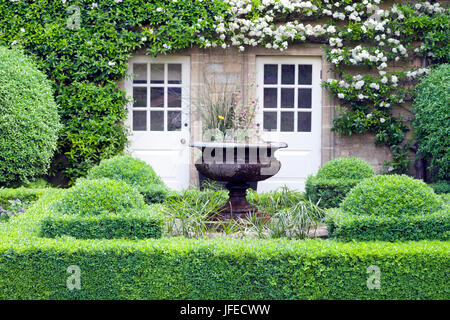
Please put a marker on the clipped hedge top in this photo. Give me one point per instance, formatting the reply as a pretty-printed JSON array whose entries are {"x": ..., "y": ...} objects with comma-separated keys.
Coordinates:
[
  {"x": 97, "y": 196},
  {"x": 133, "y": 171},
  {"x": 391, "y": 195},
  {"x": 346, "y": 168},
  {"x": 29, "y": 121}
]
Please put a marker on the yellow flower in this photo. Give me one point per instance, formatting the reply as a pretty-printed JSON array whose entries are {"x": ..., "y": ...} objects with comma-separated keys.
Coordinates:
[{"x": 220, "y": 117}]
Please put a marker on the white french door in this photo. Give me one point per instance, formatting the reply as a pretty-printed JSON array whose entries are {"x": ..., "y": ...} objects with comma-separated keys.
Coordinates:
[
  {"x": 289, "y": 95},
  {"x": 159, "y": 116}
]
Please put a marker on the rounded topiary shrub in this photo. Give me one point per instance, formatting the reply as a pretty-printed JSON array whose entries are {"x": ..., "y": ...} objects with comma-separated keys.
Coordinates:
[
  {"x": 346, "y": 168},
  {"x": 97, "y": 196},
  {"x": 431, "y": 120},
  {"x": 391, "y": 195},
  {"x": 29, "y": 121},
  {"x": 134, "y": 172}
]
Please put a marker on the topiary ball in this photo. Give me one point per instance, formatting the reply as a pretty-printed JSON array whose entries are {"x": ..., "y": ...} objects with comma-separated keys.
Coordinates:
[
  {"x": 346, "y": 168},
  {"x": 97, "y": 196},
  {"x": 391, "y": 195},
  {"x": 29, "y": 120},
  {"x": 133, "y": 171}
]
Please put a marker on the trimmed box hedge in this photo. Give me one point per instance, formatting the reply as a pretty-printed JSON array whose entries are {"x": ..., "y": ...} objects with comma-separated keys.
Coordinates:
[
  {"x": 32, "y": 267},
  {"x": 140, "y": 224},
  {"x": 24, "y": 194},
  {"x": 349, "y": 227},
  {"x": 330, "y": 192}
]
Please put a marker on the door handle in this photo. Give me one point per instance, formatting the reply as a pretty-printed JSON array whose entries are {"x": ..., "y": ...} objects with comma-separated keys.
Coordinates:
[{"x": 183, "y": 141}]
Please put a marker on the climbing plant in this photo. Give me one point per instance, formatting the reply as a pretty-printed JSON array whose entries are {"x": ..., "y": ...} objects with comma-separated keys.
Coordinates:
[{"x": 84, "y": 46}]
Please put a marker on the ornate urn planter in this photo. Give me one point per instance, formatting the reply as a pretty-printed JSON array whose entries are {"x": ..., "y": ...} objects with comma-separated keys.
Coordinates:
[{"x": 238, "y": 164}]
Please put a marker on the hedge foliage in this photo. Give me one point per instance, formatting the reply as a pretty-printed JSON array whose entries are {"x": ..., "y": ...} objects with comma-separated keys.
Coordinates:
[
  {"x": 134, "y": 172},
  {"x": 350, "y": 227},
  {"x": 441, "y": 187},
  {"x": 29, "y": 121},
  {"x": 24, "y": 194},
  {"x": 138, "y": 224},
  {"x": 99, "y": 196},
  {"x": 391, "y": 195},
  {"x": 432, "y": 118},
  {"x": 36, "y": 268},
  {"x": 335, "y": 179}
]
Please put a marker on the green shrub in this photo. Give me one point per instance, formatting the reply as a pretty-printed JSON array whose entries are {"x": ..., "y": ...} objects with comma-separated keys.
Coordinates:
[
  {"x": 134, "y": 172},
  {"x": 350, "y": 227},
  {"x": 140, "y": 224},
  {"x": 346, "y": 168},
  {"x": 29, "y": 120},
  {"x": 274, "y": 201},
  {"x": 98, "y": 196},
  {"x": 441, "y": 187},
  {"x": 25, "y": 195},
  {"x": 431, "y": 120},
  {"x": 328, "y": 193},
  {"x": 391, "y": 195},
  {"x": 335, "y": 179}
]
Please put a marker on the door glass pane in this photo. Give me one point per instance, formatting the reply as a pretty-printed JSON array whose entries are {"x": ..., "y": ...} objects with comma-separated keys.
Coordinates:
[
  {"x": 304, "y": 98},
  {"x": 157, "y": 121},
  {"x": 140, "y": 97},
  {"x": 174, "y": 97},
  {"x": 270, "y": 121},
  {"x": 304, "y": 74},
  {"x": 270, "y": 74},
  {"x": 157, "y": 97},
  {"x": 287, "y": 74},
  {"x": 304, "y": 122},
  {"x": 157, "y": 73},
  {"x": 287, "y": 122},
  {"x": 270, "y": 97},
  {"x": 174, "y": 120},
  {"x": 174, "y": 71},
  {"x": 139, "y": 120},
  {"x": 140, "y": 73},
  {"x": 287, "y": 98}
]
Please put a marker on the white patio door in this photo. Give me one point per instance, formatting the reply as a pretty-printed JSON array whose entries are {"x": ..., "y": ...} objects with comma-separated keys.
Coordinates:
[
  {"x": 159, "y": 116},
  {"x": 289, "y": 94}
]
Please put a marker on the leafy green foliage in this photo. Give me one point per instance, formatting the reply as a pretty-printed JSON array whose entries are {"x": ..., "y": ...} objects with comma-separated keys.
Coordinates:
[
  {"x": 138, "y": 224},
  {"x": 99, "y": 196},
  {"x": 275, "y": 201},
  {"x": 346, "y": 168},
  {"x": 134, "y": 172},
  {"x": 393, "y": 196},
  {"x": 349, "y": 227},
  {"x": 335, "y": 179},
  {"x": 29, "y": 121},
  {"x": 432, "y": 118},
  {"x": 328, "y": 193},
  {"x": 441, "y": 187}
]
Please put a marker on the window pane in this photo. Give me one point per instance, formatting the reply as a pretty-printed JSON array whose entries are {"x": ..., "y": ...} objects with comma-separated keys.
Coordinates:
[
  {"x": 287, "y": 98},
  {"x": 270, "y": 121},
  {"x": 157, "y": 73},
  {"x": 140, "y": 73},
  {"x": 287, "y": 122},
  {"x": 174, "y": 120},
  {"x": 139, "y": 120},
  {"x": 157, "y": 120},
  {"x": 140, "y": 97},
  {"x": 270, "y": 97},
  {"x": 304, "y": 122},
  {"x": 304, "y": 74},
  {"x": 304, "y": 98},
  {"x": 174, "y": 73},
  {"x": 157, "y": 97},
  {"x": 174, "y": 97},
  {"x": 270, "y": 74},
  {"x": 288, "y": 74}
]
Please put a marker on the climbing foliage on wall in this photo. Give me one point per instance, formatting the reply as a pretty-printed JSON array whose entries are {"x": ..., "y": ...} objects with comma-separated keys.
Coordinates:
[{"x": 84, "y": 46}]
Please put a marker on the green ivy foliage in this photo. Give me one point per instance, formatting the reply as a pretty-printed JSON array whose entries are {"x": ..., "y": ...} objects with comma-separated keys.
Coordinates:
[
  {"x": 432, "y": 120},
  {"x": 29, "y": 121}
]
